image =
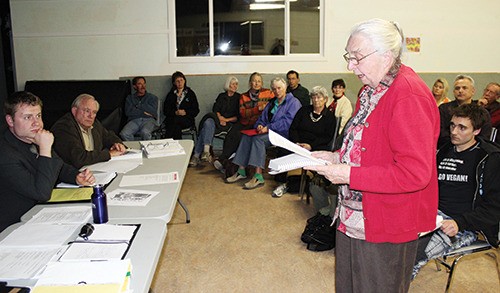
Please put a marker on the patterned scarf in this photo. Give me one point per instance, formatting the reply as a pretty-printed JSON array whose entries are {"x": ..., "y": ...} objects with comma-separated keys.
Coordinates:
[
  {"x": 350, "y": 209},
  {"x": 180, "y": 97}
]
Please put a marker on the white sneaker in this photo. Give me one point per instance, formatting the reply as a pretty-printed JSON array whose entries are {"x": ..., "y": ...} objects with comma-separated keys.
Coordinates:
[{"x": 280, "y": 190}]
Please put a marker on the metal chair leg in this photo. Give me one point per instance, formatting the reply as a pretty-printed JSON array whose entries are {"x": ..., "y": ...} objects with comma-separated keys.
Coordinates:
[
  {"x": 184, "y": 207},
  {"x": 302, "y": 187}
]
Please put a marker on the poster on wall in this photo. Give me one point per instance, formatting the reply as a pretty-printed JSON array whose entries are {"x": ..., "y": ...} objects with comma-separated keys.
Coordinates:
[{"x": 413, "y": 44}]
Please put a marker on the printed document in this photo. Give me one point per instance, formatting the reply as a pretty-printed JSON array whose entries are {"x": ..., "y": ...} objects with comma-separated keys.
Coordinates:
[
  {"x": 300, "y": 157},
  {"x": 149, "y": 179},
  {"x": 26, "y": 262},
  {"x": 130, "y": 197}
]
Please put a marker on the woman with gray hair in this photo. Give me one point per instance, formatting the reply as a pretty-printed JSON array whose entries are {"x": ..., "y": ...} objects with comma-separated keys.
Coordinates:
[
  {"x": 220, "y": 120},
  {"x": 312, "y": 128},
  {"x": 276, "y": 116},
  {"x": 386, "y": 167}
]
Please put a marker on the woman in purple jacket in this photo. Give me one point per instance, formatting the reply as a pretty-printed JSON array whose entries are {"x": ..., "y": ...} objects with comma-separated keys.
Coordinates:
[{"x": 277, "y": 116}]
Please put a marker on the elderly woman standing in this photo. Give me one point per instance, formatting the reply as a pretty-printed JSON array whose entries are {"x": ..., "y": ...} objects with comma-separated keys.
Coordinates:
[
  {"x": 277, "y": 116},
  {"x": 386, "y": 166}
]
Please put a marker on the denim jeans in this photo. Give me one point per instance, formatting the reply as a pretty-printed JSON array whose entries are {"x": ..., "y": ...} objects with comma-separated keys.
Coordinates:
[
  {"x": 205, "y": 137},
  {"x": 252, "y": 151},
  {"x": 142, "y": 126}
]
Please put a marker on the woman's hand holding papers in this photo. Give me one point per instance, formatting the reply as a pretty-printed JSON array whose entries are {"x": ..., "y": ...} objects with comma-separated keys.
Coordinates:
[
  {"x": 332, "y": 157},
  {"x": 335, "y": 172}
]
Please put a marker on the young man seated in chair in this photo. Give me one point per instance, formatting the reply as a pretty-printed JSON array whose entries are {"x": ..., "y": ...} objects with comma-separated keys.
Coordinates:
[{"x": 469, "y": 188}]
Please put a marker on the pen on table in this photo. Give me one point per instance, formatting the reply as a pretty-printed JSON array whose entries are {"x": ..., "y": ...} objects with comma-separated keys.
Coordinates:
[{"x": 100, "y": 242}]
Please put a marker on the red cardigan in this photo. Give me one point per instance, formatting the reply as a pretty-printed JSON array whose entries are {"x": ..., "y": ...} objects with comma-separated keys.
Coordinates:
[{"x": 398, "y": 175}]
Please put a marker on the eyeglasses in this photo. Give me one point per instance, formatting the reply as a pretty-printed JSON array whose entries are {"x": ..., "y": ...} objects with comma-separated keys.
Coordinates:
[
  {"x": 156, "y": 146},
  {"x": 354, "y": 60},
  {"x": 88, "y": 111}
]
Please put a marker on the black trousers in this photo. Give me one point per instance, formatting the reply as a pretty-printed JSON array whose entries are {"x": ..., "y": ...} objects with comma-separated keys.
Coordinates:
[
  {"x": 232, "y": 140},
  {"x": 174, "y": 126}
]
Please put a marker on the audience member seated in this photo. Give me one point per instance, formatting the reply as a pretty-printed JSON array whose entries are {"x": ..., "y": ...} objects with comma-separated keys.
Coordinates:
[
  {"x": 141, "y": 109},
  {"x": 80, "y": 139},
  {"x": 469, "y": 184},
  {"x": 180, "y": 107},
  {"x": 251, "y": 104},
  {"x": 463, "y": 90},
  {"x": 29, "y": 168},
  {"x": 340, "y": 105},
  {"x": 312, "y": 128},
  {"x": 440, "y": 91},
  {"x": 491, "y": 94},
  {"x": 277, "y": 116},
  {"x": 296, "y": 88},
  {"x": 224, "y": 115}
]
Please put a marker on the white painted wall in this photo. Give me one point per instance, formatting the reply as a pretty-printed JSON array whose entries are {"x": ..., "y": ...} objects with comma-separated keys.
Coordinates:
[{"x": 106, "y": 39}]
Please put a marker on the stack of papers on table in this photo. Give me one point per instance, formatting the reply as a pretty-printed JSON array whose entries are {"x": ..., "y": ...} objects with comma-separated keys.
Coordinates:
[
  {"x": 161, "y": 148},
  {"x": 130, "y": 154},
  {"x": 27, "y": 249},
  {"x": 107, "y": 242},
  {"x": 101, "y": 276},
  {"x": 102, "y": 178}
]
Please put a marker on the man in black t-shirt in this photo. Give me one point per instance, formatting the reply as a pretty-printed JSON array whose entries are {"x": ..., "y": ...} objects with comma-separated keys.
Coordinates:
[{"x": 469, "y": 187}]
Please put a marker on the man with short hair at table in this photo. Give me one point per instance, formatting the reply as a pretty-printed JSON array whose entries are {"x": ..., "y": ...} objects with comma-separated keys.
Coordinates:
[
  {"x": 141, "y": 109},
  {"x": 469, "y": 188},
  {"x": 80, "y": 139},
  {"x": 29, "y": 168},
  {"x": 296, "y": 88}
]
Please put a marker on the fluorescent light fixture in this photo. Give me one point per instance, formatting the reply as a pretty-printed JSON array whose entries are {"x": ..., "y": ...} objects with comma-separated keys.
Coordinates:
[
  {"x": 251, "y": 22},
  {"x": 266, "y": 6}
]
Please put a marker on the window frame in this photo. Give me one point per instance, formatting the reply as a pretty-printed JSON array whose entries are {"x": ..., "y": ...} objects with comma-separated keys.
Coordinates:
[{"x": 239, "y": 58}]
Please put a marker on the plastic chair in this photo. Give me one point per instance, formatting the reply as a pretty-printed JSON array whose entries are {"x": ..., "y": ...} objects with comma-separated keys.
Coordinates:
[
  {"x": 479, "y": 246},
  {"x": 191, "y": 131}
]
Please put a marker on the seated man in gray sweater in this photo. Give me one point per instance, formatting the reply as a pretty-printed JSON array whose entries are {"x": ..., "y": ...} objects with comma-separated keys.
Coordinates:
[{"x": 141, "y": 109}]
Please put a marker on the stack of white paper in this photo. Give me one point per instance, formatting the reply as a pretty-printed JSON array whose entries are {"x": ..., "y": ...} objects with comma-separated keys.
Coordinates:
[
  {"x": 105, "y": 243},
  {"x": 161, "y": 148},
  {"x": 100, "y": 276},
  {"x": 291, "y": 162},
  {"x": 130, "y": 154},
  {"x": 27, "y": 249},
  {"x": 299, "y": 159},
  {"x": 102, "y": 178}
]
